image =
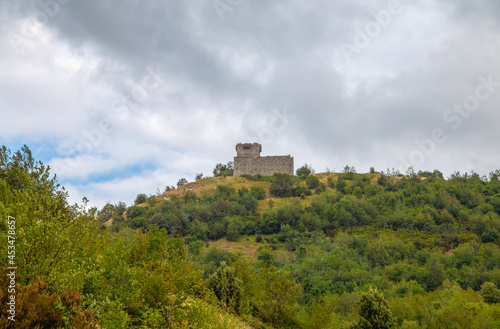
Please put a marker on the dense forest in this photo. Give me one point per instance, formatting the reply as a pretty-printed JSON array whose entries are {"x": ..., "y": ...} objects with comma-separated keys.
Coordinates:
[{"x": 329, "y": 250}]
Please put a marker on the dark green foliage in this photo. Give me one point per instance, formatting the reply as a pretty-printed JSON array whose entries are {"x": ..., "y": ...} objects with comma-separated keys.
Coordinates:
[
  {"x": 181, "y": 182},
  {"x": 312, "y": 182},
  {"x": 258, "y": 192},
  {"x": 106, "y": 213},
  {"x": 217, "y": 231},
  {"x": 141, "y": 198},
  {"x": 490, "y": 235},
  {"x": 341, "y": 185},
  {"x": 265, "y": 255},
  {"x": 135, "y": 211},
  {"x": 331, "y": 182},
  {"x": 226, "y": 286},
  {"x": 224, "y": 191},
  {"x": 282, "y": 187},
  {"x": 259, "y": 178},
  {"x": 269, "y": 223},
  {"x": 249, "y": 227},
  {"x": 429, "y": 244},
  {"x": 249, "y": 202},
  {"x": 349, "y": 172},
  {"x": 301, "y": 190},
  {"x": 490, "y": 293},
  {"x": 198, "y": 230},
  {"x": 234, "y": 229},
  {"x": 223, "y": 169},
  {"x": 276, "y": 302},
  {"x": 374, "y": 312},
  {"x": 304, "y": 170},
  {"x": 189, "y": 197},
  {"x": 213, "y": 258}
]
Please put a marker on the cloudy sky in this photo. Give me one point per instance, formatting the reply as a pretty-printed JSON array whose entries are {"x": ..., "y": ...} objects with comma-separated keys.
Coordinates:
[{"x": 125, "y": 97}]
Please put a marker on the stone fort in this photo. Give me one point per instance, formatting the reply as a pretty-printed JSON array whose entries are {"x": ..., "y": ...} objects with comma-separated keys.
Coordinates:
[{"x": 249, "y": 161}]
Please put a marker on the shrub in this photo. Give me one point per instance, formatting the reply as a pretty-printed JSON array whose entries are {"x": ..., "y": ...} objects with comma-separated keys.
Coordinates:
[
  {"x": 141, "y": 198},
  {"x": 249, "y": 227},
  {"x": 341, "y": 185},
  {"x": 226, "y": 286},
  {"x": 259, "y": 178},
  {"x": 135, "y": 211},
  {"x": 269, "y": 223},
  {"x": 258, "y": 192},
  {"x": 249, "y": 202},
  {"x": 282, "y": 187},
  {"x": 277, "y": 304},
  {"x": 38, "y": 307},
  {"x": 217, "y": 231},
  {"x": 223, "y": 170},
  {"x": 374, "y": 312},
  {"x": 490, "y": 235},
  {"x": 234, "y": 229},
  {"x": 181, "y": 182},
  {"x": 195, "y": 247},
  {"x": 266, "y": 256},
  {"x": 301, "y": 190},
  {"x": 490, "y": 293},
  {"x": 312, "y": 182},
  {"x": 304, "y": 170},
  {"x": 224, "y": 191}
]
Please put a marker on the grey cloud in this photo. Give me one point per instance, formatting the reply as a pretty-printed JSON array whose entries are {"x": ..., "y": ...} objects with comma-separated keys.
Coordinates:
[{"x": 224, "y": 78}]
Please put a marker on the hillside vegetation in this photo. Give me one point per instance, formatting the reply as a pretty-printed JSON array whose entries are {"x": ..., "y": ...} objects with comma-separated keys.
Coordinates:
[{"x": 333, "y": 250}]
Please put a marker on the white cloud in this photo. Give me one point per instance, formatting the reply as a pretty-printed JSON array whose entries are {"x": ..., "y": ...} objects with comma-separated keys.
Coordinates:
[{"x": 222, "y": 80}]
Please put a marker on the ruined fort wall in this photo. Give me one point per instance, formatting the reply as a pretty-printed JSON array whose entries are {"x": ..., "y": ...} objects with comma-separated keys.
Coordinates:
[{"x": 265, "y": 166}]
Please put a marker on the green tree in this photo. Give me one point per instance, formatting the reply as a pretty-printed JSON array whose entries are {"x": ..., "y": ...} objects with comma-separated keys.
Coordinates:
[
  {"x": 224, "y": 191},
  {"x": 304, "y": 170},
  {"x": 181, "y": 182},
  {"x": 374, "y": 312},
  {"x": 234, "y": 228},
  {"x": 269, "y": 223},
  {"x": 341, "y": 185},
  {"x": 55, "y": 241},
  {"x": 312, "y": 182},
  {"x": 282, "y": 186},
  {"x": 223, "y": 169},
  {"x": 258, "y": 192},
  {"x": 265, "y": 255},
  {"x": 349, "y": 170},
  {"x": 276, "y": 301},
  {"x": 226, "y": 286},
  {"x": 106, "y": 213},
  {"x": 490, "y": 293},
  {"x": 141, "y": 198}
]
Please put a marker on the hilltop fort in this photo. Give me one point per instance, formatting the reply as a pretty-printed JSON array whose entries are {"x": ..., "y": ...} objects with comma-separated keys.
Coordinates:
[{"x": 249, "y": 161}]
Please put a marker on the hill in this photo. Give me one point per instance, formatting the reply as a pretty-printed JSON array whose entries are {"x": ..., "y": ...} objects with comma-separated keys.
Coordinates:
[
  {"x": 331, "y": 250},
  {"x": 337, "y": 234}
]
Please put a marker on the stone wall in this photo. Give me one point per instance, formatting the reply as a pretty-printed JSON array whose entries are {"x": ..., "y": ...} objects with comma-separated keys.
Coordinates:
[{"x": 249, "y": 161}]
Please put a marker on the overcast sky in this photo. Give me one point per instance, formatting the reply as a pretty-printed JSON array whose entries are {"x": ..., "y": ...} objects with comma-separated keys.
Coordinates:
[{"x": 125, "y": 97}]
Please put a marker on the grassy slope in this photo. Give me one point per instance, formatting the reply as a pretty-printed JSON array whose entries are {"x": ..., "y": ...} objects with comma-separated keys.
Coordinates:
[{"x": 246, "y": 245}]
